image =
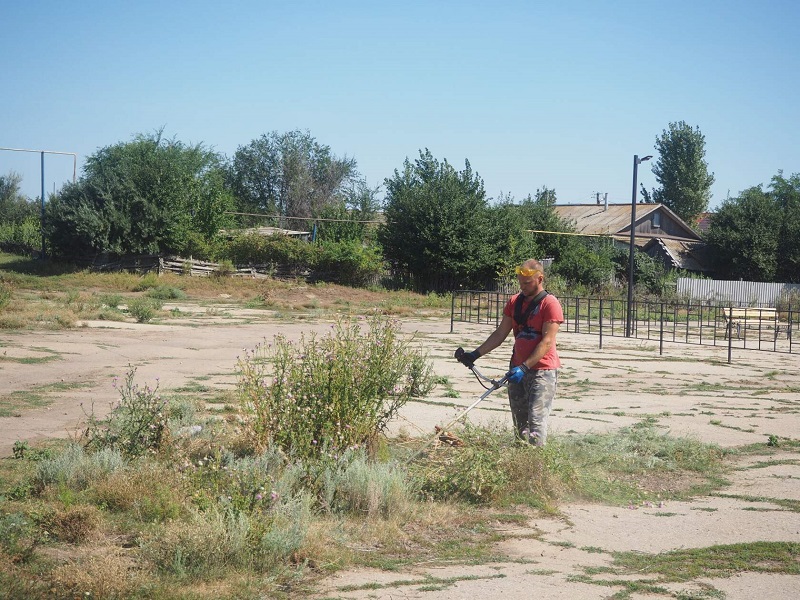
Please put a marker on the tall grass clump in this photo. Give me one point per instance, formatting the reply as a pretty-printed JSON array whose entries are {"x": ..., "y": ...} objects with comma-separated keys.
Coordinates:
[{"x": 324, "y": 395}]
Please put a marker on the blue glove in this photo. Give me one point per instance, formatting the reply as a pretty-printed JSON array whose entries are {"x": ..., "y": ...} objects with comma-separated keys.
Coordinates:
[{"x": 516, "y": 374}]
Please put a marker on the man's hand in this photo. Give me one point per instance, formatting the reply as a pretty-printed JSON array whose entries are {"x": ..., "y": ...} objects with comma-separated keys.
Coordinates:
[
  {"x": 467, "y": 358},
  {"x": 516, "y": 374}
]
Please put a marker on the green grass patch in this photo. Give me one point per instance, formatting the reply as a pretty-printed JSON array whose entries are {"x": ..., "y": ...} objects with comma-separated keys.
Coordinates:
[{"x": 714, "y": 561}]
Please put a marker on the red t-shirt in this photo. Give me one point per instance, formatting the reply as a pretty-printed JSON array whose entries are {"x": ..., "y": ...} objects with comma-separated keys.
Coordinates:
[{"x": 525, "y": 340}]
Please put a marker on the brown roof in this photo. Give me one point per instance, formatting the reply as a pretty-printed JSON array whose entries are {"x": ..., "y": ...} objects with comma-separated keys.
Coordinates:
[
  {"x": 615, "y": 219},
  {"x": 597, "y": 219},
  {"x": 683, "y": 254}
]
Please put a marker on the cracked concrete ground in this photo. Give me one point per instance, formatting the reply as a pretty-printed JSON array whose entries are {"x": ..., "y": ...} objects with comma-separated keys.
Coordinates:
[{"x": 689, "y": 391}]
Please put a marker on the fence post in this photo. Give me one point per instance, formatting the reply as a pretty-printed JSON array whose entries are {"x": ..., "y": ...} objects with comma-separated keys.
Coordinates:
[
  {"x": 730, "y": 331},
  {"x": 661, "y": 332},
  {"x": 601, "y": 323},
  {"x": 452, "y": 309}
]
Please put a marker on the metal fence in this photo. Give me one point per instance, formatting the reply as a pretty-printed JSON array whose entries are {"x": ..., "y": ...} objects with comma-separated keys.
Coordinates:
[
  {"x": 688, "y": 323},
  {"x": 742, "y": 293}
]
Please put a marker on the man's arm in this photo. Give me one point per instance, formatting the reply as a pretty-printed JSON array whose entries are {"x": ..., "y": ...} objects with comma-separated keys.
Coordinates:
[{"x": 549, "y": 331}]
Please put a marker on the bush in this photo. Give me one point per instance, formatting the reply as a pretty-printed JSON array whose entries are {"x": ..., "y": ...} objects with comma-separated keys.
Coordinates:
[
  {"x": 75, "y": 469},
  {"x": 137, "y": 424},
  {"x": 144, "y": 309},
  {"x": 350, "y": 262},
  {"x": 277, "y": 250},
  {"x": 329, "y": 394},
  {"x": 166, "y": 292},
  {"x": 5, "y": 294},
  {"x": 366, "y": 488}
]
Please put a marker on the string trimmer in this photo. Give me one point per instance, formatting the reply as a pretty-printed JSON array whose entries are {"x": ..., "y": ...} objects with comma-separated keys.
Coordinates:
[{"x": 483, "y": 380}]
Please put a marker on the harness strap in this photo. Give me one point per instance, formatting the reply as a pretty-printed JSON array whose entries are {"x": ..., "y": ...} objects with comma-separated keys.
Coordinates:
[{"x": 520, "y": 317}]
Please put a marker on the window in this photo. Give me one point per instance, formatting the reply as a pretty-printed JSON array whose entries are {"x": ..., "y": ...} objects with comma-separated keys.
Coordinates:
[{"x": 656, "y": 220}]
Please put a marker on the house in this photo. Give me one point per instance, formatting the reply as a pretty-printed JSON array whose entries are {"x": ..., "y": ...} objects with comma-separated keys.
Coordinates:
[{"x": 658, "y": 231}]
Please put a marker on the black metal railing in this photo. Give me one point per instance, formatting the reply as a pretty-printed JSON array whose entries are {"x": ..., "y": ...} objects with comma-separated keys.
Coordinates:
[{"x": 752, "y": 328}]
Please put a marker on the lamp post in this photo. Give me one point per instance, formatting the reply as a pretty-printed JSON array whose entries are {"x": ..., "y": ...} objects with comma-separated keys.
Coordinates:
[{"x": 629, "y": 316}]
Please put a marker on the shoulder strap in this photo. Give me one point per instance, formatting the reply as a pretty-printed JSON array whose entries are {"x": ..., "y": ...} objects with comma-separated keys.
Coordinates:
[{"x": 522, "y": 318}]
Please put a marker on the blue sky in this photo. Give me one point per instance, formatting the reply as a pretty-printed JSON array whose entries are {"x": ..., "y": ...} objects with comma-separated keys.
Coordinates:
[{"x": 561, "y": 94}]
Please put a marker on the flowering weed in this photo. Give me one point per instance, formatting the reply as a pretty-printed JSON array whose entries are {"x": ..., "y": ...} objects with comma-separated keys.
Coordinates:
[{"x": 325, "y": 395}]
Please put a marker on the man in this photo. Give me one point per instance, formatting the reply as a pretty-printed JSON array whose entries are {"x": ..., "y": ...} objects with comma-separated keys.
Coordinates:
[{"x": 534, "y": 316}]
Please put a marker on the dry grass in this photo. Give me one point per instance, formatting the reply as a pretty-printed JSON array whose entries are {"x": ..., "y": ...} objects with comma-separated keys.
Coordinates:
[
  {"x": 101, "y": 572},
  {"x": 74, "y": 525}
]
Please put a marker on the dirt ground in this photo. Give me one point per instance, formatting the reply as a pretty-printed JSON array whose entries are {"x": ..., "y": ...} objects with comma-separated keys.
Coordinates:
[{"x": 690, "y": 390}]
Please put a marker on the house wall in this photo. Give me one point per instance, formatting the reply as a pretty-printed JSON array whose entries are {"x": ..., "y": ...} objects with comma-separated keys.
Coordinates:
[{"x": 669, "y": 227}]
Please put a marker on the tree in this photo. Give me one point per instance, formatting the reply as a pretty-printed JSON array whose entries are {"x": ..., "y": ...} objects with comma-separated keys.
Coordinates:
[
  {"x": 516, "y": 230},
  {"x": 436, "y": 223},
  {"x": 786, "y": 193},
  {"x": 288, "y": 174},
  {"x": 682, "y": 172},
  {"x": 14, "y": 206},
  {"x": 149, "y": 195},
  {"x": 346, "y": 219},
  {"x": 743, "y": 237}
]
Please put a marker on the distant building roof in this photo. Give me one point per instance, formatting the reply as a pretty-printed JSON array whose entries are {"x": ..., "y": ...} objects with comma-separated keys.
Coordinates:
[
  {"x": 615, "y": 220},
  {"x": 679, "y": 254},
  {"x": 266, "y": 231}
]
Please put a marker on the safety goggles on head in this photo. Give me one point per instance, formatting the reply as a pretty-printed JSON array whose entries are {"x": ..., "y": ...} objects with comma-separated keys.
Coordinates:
[{"x": 525, "y": 272}]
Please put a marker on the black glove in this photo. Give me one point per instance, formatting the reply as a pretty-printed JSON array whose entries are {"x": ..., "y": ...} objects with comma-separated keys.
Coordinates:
[{"x": 467, "y": 358}]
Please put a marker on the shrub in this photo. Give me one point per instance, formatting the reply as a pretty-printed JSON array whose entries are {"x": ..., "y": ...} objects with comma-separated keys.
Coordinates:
[
  {"x": 143, "y": 309},
  {"x": 5, "y": 294},
  {"x": 152, "y": 494},
  {"x": 350, "y": 262},
  {"x": 215, "y": 541},
  {"x": 494, "y": 467},
  {"x": 73, "y": 468},
  {"x": 136, "y": 425},
  {"x": 73, "y": 525},
  {"x": 366, "y": 488},
  {"x": 111, "y": 301},
  {"x": 278, "y": 250},
  {"x": 146, "y": 282},
  {"x": 166, "y": 292},
  {"x": 326, "y": 395}
]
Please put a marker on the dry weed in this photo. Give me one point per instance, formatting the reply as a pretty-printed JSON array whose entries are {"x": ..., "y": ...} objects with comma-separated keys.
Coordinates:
[{"x": 105, "y": 573}]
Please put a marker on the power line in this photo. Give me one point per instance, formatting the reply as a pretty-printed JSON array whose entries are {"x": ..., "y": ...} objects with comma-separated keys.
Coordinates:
[{"x": 300, "y": 218}]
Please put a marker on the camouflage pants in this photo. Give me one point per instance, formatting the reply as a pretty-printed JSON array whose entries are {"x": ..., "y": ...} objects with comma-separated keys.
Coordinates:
[{"x": 530, "y": 401}]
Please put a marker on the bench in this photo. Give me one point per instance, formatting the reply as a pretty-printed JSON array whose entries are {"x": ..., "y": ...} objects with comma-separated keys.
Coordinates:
[{"x": 753, "y": 318}]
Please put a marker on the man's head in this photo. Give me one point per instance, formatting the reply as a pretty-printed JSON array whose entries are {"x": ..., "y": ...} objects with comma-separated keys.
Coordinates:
[{"x": 530, "y": 276}]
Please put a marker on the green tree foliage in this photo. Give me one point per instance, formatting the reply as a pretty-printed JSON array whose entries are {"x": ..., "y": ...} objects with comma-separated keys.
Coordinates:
[
  {"x": 14, "y": 206},
  {"x": 682, "y": 171},
  {"x": 526, "y": 230},
  {"x": 436, "y": 222},
  {"x": 347, "y": 218},
  {"x": 787, "y": 194},
  {"x": 743, "y": 236},
  {"x": 289, "y": 174},
  {"x": 147, "y": 195},
  {"x": 586, "y": 262}
]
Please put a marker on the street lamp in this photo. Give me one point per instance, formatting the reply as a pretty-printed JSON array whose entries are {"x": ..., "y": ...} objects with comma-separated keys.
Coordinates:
[{"x": 628, "y": 321}]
